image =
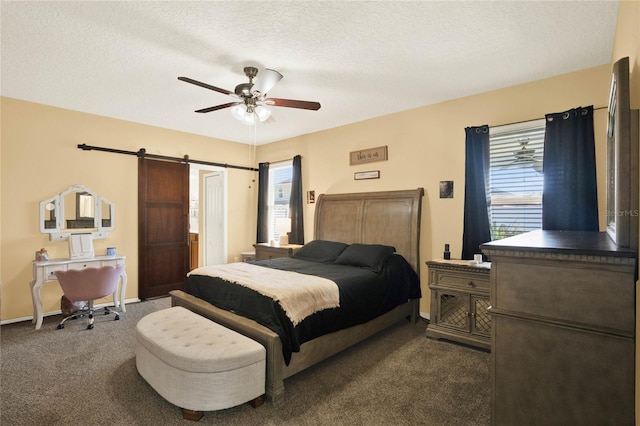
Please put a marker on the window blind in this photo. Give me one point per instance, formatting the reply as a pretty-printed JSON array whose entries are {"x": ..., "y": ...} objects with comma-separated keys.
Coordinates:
[{"x": 515, "y": 181}]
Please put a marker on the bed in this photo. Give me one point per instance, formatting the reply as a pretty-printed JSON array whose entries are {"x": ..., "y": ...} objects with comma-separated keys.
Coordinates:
[{"x": 389, "y": 218}]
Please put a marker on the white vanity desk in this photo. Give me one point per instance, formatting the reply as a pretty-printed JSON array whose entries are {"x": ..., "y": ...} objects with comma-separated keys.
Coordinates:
[{"x": 44, "y": 271}]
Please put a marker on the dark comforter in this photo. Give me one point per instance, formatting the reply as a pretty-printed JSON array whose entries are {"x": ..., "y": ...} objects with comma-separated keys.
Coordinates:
[{"x": 364, "y": 295}]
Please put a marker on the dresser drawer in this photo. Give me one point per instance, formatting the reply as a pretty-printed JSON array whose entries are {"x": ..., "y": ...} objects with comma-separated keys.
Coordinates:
[{"x": 579, "y": 292}]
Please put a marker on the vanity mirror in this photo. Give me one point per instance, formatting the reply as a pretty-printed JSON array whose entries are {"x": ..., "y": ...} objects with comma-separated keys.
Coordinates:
[{"x": 75, "y": 210}]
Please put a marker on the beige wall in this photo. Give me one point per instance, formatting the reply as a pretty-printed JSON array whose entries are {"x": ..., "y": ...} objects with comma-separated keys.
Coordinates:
[
  {"x": 40, "y": 158},
  {"x": 426, "y": 145}
]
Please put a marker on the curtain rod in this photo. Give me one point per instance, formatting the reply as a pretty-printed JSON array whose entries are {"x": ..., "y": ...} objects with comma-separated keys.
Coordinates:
[
  {"x": 142, "y": 153},
  {"x": 534, "y": 119},
  {"x": 280, "y": 161}
]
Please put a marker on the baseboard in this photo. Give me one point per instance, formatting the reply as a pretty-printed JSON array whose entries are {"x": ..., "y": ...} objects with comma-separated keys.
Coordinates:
[{"x": 58, "y": 312}]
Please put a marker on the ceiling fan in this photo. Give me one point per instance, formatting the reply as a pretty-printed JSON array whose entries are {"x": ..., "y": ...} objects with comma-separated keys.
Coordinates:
[
  {"x": 251, "y": 97},
  {"x": 526, "y": 156}
]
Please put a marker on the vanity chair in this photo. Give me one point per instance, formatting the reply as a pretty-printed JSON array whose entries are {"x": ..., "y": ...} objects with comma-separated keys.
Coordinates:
[{"x": 89, "y": 284}]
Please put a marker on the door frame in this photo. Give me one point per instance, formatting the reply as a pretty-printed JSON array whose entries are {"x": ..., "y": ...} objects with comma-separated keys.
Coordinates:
[
  {"x": 197, "y": 168},
  {"x": 204, "y": 220}
]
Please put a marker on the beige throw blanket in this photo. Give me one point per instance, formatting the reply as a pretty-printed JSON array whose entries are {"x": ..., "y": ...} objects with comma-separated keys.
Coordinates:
[{"x": 299, "y": 295}]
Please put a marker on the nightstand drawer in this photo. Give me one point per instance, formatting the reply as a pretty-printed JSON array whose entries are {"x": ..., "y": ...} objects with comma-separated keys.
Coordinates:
[{"x": 463, "y": 281}]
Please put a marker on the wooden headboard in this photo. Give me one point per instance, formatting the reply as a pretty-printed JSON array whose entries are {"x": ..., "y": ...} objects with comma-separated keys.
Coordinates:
[{"x": 389, "y": 217}]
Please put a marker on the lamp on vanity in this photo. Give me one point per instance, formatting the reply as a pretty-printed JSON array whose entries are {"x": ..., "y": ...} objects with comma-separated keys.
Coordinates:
[{"x": 283, "y": 227}]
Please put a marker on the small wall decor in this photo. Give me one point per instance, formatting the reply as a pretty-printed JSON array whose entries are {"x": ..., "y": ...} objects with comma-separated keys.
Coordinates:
[
  {"x": 311, "y": 197},
  {"x": 42, "y": 255},
  {"x": 368, "y": 155},
  {"x": 373, "y": 174},
  {"x": 446, "y": 189}
]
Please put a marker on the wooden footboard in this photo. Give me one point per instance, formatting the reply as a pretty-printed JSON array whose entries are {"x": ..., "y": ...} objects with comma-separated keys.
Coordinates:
[{"x": 310, "y": 352}]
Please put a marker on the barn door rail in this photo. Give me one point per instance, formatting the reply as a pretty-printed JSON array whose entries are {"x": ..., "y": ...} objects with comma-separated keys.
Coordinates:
[{"x": 142, "y": 153}]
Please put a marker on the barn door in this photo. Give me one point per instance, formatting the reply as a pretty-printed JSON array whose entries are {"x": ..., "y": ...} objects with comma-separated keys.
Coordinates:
[{"x": 163, "y": 226}]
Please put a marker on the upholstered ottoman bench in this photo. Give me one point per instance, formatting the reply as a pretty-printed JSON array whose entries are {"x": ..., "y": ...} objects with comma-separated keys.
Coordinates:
[{"x": 197, "y": 364}]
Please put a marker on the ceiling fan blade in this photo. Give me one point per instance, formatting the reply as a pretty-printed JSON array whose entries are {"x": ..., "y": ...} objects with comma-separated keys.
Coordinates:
[
  {"x": 292, "y": 103},
  {"x": 205, "y": 85},
  {"x": 265, "y": 82},
  {"x": 217, "y": 107}
]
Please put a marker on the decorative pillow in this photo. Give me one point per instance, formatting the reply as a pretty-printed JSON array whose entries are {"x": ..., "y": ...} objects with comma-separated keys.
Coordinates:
[
  {"x": 320, "y": 251},
  {"x": 370, "y": 256}
]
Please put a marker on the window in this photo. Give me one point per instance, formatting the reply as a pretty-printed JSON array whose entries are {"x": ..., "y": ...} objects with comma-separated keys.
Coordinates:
[
  {"x": 279, "y": 192},
  {"x": 515, "y": 181}
]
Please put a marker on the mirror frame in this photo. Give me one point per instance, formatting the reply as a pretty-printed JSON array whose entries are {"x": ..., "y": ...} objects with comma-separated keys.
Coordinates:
[
  {"x": 61, "y": 231},
  {"x": 622, "y": 161}
]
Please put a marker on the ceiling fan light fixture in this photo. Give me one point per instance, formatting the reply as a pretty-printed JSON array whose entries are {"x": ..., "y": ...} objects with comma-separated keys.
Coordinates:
[
  {"x": 239, "y": 111},
  {"x": 263, "y": 113},
  {"x": 248, "y": 119}
]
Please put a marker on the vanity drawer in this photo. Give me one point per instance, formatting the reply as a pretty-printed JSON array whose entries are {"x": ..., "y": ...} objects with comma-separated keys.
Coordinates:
[
  {"x": 82, "y": 265},
  {"x": 50, "y": 271}
]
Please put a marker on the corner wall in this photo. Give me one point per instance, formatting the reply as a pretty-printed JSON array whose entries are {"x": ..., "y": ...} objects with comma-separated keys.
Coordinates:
[{"x": 40, "y": 158}]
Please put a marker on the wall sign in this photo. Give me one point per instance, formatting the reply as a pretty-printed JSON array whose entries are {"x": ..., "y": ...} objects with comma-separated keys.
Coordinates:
[
  {"x": 368, "y": 155},
  {"x": 374, "y": 174}
]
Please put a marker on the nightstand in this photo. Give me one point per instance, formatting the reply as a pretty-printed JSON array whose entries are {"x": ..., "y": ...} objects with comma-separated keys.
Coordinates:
[
  {"x": 247, "y": 256},
  {"x": 459, "y": 302},
  {"x": 265, "y": 251}
]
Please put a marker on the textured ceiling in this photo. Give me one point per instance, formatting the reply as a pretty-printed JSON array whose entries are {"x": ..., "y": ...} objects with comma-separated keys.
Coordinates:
[{"x": 358, "y": 59}]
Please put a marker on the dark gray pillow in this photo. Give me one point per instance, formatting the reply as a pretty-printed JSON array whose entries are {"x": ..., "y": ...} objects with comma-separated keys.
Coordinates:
[
  {"x": 370, "y": 256},
  {"x": 320, "y": 251}
]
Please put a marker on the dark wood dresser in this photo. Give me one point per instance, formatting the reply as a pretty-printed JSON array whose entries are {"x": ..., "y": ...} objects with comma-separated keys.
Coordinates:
[{"x": 563, "y": 329}]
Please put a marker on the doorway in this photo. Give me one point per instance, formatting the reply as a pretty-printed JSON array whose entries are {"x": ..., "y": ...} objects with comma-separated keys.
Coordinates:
[
  {"x": 208, "y": 194},
  {"x": 214, "y": 219}
]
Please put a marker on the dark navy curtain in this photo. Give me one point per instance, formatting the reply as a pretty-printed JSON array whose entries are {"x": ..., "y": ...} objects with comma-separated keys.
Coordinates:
[
  {"x": 569, "y": 196},
  {"x": 263, "y": 203},
  {"x": 476, "y": 229},
  {"x": 296, "y": 236}
]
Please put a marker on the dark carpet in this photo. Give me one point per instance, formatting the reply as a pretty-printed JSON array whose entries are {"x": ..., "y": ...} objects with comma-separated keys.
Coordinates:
[{"x": 80, "y": 376}]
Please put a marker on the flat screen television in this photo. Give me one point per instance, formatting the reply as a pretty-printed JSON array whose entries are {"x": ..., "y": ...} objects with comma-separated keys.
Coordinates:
[{"x": 622, "y": 160}]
